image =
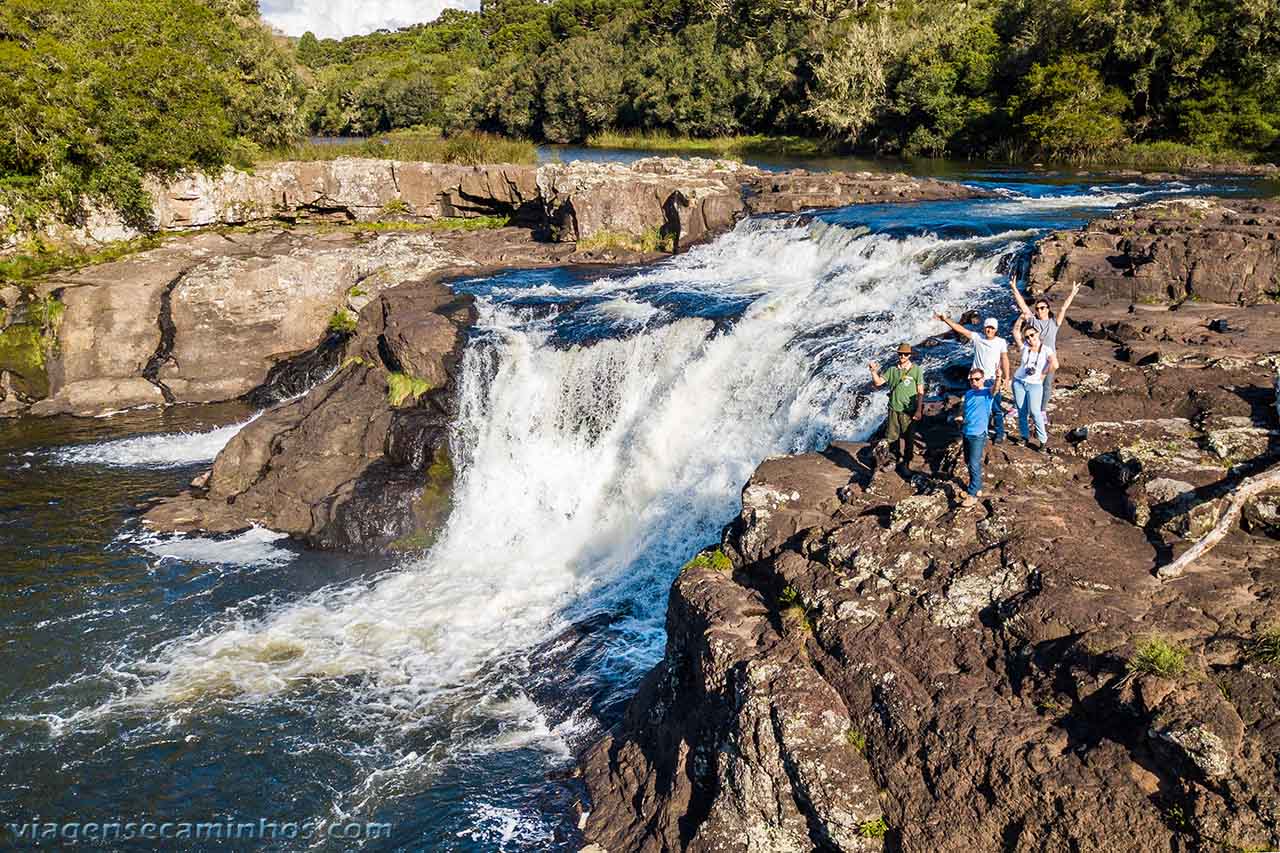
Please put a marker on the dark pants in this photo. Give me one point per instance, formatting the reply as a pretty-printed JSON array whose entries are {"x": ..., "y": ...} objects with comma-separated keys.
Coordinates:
[
  {"x": 974, "y": 445},
  {"x": 901, "y": 426}
]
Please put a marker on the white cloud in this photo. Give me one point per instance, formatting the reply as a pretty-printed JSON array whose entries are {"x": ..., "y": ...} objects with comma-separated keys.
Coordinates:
[{"x": 339, "y": 18}]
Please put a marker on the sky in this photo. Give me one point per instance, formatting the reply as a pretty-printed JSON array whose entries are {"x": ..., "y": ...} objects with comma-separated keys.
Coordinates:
[{"x": 338, "y": 18}]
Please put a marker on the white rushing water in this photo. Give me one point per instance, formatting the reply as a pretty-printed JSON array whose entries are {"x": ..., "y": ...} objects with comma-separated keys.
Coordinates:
[
  {"x": 589, "y": 473},
  {"x": 162, "y": 450}
]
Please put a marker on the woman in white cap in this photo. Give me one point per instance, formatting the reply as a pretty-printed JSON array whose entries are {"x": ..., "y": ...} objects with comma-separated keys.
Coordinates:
[
  {"x": 991, "y": 356},
  {"x": 1028, "y": 383}
]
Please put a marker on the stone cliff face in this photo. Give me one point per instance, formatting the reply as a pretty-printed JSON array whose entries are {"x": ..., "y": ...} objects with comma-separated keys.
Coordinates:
[
  {"x": 361, "y": 462},
  {"x": 685, "y": 199},
  {"x": 861, "y": 663}
]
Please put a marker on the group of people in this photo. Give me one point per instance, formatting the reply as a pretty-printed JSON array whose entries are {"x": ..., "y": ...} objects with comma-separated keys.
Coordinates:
[{"x": 1035, "y": 333}]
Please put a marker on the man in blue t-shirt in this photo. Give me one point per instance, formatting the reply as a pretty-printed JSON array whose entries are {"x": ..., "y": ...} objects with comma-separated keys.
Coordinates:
[{"x": 976, "y": 414}]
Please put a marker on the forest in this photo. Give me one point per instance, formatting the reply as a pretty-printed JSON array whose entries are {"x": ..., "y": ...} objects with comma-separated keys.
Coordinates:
[{"x": 95, "y": 94}]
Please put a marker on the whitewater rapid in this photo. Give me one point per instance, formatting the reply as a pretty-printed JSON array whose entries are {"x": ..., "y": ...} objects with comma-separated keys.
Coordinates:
[
  {"x": 591, "y": 472},
  {"x": 605, "y": 429}
]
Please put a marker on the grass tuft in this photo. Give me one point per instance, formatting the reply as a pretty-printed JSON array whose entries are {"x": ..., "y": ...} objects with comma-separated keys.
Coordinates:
[
  {"x": 1265, "y": 648},
  {"x": 873, "y": 828},
  {"x": 1157, "y": 656},
  {"x": 714, "y": 560},
  {"x": 856, "y": 739}
]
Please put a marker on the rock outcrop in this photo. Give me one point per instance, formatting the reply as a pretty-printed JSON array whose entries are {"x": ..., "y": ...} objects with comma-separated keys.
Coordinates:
[
  {"x": 207, "y": 319},
  {"x": 861, "y": 662},
  {"x": 687, "y": 200},
  {"x": 218, "y": 315},
  {"x": 1199, "y": 249},
  {"x": 361, "y": 462}
]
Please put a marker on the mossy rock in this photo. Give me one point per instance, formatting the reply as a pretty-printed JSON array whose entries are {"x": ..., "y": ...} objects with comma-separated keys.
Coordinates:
[
  {"x": 432, "y": 507},
  {"x": 22, "y": 354}
]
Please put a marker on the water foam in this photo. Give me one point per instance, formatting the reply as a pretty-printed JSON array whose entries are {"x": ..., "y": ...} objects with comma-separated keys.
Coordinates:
[
  {"x": 588, "y": 475},
  {"x": 162, "y": 450}
]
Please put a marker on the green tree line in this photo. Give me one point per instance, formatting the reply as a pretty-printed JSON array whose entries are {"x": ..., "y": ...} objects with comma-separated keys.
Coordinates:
[
  {"x": 95, "y": 95},
  {"x": 1062, "y": 79}
]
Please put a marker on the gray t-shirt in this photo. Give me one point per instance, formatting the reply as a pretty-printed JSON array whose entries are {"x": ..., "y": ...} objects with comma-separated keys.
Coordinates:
[{"x": 1048, "y": 330}]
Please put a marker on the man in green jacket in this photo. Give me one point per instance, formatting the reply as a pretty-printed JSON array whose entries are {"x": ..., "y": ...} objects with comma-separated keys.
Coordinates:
[{"x": 906, "y": 404}]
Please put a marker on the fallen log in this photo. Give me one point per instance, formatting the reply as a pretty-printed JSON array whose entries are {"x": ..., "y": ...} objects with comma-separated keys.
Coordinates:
[{"x": 1248, "y": 487}]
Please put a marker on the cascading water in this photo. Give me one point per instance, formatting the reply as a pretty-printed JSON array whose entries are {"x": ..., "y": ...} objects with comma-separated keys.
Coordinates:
[{"x": 606, "y": 427}]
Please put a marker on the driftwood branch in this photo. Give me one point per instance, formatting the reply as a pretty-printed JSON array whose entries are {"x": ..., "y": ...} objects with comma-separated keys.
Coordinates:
[{"x": 1248, "y": 487}]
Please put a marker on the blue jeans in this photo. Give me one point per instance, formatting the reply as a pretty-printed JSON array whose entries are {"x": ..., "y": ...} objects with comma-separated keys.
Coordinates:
[
  {"x": 997, "y": 413},
  {"x": 1028, "y": 399},
  {"x": 973, "y": 447}
]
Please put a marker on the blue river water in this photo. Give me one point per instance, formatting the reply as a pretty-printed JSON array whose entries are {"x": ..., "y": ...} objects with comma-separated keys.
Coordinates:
[{"x": 608, "y": 420}]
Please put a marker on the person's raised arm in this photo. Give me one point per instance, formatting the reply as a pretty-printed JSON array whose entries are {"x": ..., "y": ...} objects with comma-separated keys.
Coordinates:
[
  {"x": 1017, "y": 295},
  {"x": 876, "y": 379},
  {"x": 1017, "y": 330},
  {"x": 955, "y": 327},
  {"x": 1062, "y": 312}
]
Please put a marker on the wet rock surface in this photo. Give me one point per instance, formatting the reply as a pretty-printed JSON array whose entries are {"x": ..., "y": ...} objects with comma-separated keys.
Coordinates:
[
  {"x": 986, "y": 665},
  {"x": 360, "y": 463}
]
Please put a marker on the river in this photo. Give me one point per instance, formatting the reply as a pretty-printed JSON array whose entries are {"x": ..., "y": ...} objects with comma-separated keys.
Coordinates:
[{"x": 607, "y": 425}]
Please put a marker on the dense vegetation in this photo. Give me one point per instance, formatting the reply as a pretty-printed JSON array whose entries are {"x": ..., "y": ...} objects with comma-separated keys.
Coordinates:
[
  {"x": 97, "y": 94},
  {"x": 1063, "y": 79}
]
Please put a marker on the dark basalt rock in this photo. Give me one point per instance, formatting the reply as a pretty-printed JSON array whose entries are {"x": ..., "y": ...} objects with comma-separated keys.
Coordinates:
[
  {"x": 345, "y": 467},
  {"x": 867, "y": 665}
]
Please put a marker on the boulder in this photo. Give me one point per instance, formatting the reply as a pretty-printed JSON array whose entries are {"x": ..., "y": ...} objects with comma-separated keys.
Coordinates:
[{"x": 351, "y": 465}]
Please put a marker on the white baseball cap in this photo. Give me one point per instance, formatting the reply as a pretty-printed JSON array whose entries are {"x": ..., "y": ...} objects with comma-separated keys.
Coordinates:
[{"x": 991, "y": 321}]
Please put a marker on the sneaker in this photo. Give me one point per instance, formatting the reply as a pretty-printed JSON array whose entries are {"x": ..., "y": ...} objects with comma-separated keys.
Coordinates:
[
  {"x": 999, "y": 439},
  {"x": 968, "y": 501}
]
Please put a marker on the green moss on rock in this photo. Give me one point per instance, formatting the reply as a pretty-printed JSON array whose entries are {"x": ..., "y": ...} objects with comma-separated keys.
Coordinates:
[
  {"x": 714, "y": 559},
  {"x": 433, "y": 505}
]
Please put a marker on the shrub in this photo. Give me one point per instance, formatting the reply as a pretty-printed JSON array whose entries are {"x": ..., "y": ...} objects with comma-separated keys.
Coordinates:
[
  {"x": 1157, "y": 656},
  {"x": 873, "y": 828},
  {"x": 652, "y": 240},
  {"x": 343, "y": 322},
  {"x": 856, "y": 739},
  {"x": 1068, "y": 111}
]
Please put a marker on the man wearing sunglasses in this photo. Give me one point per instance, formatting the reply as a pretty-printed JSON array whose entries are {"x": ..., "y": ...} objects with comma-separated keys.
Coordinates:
[
  {"x": 906, "y": 405},
  {"x": 975, "y": 413},
  {"x": 1040, "y": 317}
]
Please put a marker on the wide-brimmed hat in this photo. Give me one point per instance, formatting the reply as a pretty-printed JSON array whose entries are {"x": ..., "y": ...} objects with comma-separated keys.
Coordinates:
[{"x": 905, "y": 348}]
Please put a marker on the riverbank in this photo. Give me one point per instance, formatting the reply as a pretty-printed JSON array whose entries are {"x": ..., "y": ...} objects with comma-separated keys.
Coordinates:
[{"x": 861, "y": 663}]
